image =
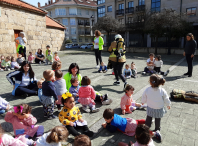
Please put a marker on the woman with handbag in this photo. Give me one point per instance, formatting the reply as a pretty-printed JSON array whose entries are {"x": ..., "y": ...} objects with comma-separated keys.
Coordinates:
[{"x": 24, "y": 81}]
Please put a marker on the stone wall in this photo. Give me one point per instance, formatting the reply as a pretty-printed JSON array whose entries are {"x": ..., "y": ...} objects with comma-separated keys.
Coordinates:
[{"x": 34, "y": 26}]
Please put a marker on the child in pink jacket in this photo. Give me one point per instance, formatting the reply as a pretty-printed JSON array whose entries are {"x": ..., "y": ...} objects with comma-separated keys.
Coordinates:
[
  {"x": 87, "y": 95},
  {"x": 8, "y": 140},
  {"x": 23, "y": 121}
]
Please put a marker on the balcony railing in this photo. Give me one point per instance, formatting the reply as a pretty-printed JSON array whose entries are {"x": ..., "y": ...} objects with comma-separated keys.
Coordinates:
[
  {"x": 140, "y": 8},
  {"x": 134, "y": 25},
  {"x": 80, "y": 23},
  {"x": 81, "y": 32},
  {"x": 130, "y": 10},
  {"x": 87, "y": 33},
  {"x": 87, "y": 23},
  {"x": 120, "y": 12}
]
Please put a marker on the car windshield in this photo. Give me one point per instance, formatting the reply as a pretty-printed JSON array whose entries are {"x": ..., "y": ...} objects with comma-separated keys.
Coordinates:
[{"x": 69, "y": 44}]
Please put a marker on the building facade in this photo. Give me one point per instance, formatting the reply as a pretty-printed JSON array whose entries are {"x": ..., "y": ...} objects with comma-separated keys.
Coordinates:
[
  {"x": 125, "y": 11},
  {"x": 40, "y": 30},
  {"x": 76, "y": 15}
]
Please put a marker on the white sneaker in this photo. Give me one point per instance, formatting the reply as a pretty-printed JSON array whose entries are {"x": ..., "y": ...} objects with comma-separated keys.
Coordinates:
[
  {"x": 86, "y": 109},
  {"x": 143, "y": 73},
  {"x": 128, "y": 77},
  {"x": 108, "y": 101},
  {"x": 1, "y": 69},
  {"x": 166, "y": 73},
  {"x": 143, "y": 106},
  {"x": 97, "y": 66},
  {"x": 12, "y": 68},
  {"x": 39, "y": 62},
  {"x": 95, "y": 110}
]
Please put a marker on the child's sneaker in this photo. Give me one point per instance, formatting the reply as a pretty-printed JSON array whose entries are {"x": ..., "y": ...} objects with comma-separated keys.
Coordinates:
[
  {"x": 166, "y": 73},
  {"x": 143, "y": 73},
  {"x": 39, "y": 62},
  {"x": 128, "y": 77},
  {"x": 158, "y": 135},
  {"x": 1, "y": 69},
  {"x": 143, "y": 106},
  {"x": 117, "y": 83},
  {"x": 108, "y": 101},
  {"x": 104, "y": 71},
  {"x": 94, "y": 110},
  {"x": 52, "y": 117},
  {"x": 12, "y": 68},
  {"x": 100, "y": 71},
  {"x": 86, "y": 109}
]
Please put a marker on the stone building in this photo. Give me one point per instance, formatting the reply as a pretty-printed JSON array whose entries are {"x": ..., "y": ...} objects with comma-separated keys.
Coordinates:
[
  {"x": 126, "y": 10},
  {"x": 76, "y": 15},
  {"x": 40, "y": 30}
]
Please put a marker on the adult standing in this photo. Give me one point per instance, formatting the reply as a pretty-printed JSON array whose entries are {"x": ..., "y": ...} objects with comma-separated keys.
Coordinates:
[
  {"x": 39, "y": 57},
  {"x": 23, "y": 80},
  {"x": 118, "y": 58},
  {"x": 189, "y": 52},
  {"x": 21, "y": 49},
  {"x": 98, "y": 47}
]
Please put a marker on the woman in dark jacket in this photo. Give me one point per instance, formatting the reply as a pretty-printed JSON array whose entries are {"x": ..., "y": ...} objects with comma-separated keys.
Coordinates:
[
  {"x": 189, "y": 52},
  {"x": 39, "y": 57},
  {"x": 24, "y": 81}
]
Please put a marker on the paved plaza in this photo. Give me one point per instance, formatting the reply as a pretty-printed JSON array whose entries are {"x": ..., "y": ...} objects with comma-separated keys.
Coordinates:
[{"x": 179, "y": 127}]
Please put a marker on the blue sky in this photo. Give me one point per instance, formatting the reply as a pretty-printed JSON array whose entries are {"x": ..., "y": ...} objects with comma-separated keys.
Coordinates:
[{"x": 35, "y": 2}]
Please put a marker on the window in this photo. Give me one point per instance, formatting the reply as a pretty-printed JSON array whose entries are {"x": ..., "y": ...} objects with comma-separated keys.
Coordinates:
[
  {"x": 67, "y": 38},
  {"x": 73, "y": 30},
  {"x": 101, "y": 1},
  {"x": 72, "y": 11},
  {"x": 93, "y": 13},
  {"x": 191, "y": 11},
  {"x": 86, "y": 40},
  {"x": 50, "y": 13},
  {"x": 80, "y": 39},
  {"x": 67, "y": 31},
  {"x": 65, "y": 21},
  {"x": 72, "y": 21},
  {"x": 87, "y": 12},
  {"x": 130, "y": 4},
  {"x": 141, "y": 2},
  {"x": 74, "y": 39},
  {"x": 59, "y": 12},
  {"x": 155, "y": 5},
  {"x": 78, "y": 11},
  {"x": 101, "y": 11},
  {"x": 121, "y": 20},
  {"x": 121, "y": 6},
  {"x": 140, "y": 18},
  {"x": 109, "y": 9},
  {"x": 130, "y": 19}
]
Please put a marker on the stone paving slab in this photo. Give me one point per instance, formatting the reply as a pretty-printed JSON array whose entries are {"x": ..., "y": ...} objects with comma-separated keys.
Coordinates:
[{"x": 174, "y": 124}]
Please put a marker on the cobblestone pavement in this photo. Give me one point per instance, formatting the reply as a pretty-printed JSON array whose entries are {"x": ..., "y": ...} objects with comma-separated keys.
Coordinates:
[{"x": 179, "y": 126}]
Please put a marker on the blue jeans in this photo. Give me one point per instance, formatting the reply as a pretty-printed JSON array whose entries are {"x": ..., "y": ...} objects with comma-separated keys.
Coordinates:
[{"x": 2, "y": 111}]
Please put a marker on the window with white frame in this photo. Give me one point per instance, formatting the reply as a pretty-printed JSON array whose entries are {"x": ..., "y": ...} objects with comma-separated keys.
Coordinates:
[
  {"x": 101, "y": 1},
  {"x": 101, "y": 11},
  {"x": 72, "y": 21},
  {"x": 72, "y": 11},
  {"x": 109, "y": 9},
  {"x": 87, "y": 12},
  {"x": 60, "y": 12},
  {"x": 155, "y": 5},
  {"x": 78, "y": 11},
  {"x": 65, "y": 21},
  {"x": 86, "y": 40},
  {"x": 191, "y": 11},
  {"x": 141, "y": 2},
  {"x": 74, "y": 40},
  {"x": 73, "y": 30}
]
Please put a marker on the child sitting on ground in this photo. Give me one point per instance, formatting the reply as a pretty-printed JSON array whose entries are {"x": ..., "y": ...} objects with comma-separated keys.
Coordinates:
[
  {"x": 6, "y": 64},
  {"x": 103, "y": 68},
  {"x": 127, "y": 72},
  {"x": 4, "y": 105},
  {"x": 158, "y": 64},
  {"x": 125, "y": 125},
  {"x": 142, "y": 136},
  {"x": 60, "y": 85},
  {"x": 49, "y": 94},
  {"x": 82, "y": 140},
  {"x": 87, "y": 95},
  {"x": 14, "y": 64},
  {"x": 150, "y": 64},
  {"x": 7, "y": 140},
  {"x": 53, "y": 138},
  {"x": 56, "y": 65},
  {"x": 127, "y": 103},
  {"x": 20, "y": 59},
  {"x": 49, "y": 58},
  {"x": 56, "y": 58},
  {"x": 71, "y": 118},
  {"x": 133, "y": 70},
  {"x": 2, "y": 58},
  {"x": 156, "y": 98},
  {"x": 40, "y": 92},
  {"x": 31, "y": 57},
  {"x": 23, "y": 122},
  {"x": 47, "y": 49}
]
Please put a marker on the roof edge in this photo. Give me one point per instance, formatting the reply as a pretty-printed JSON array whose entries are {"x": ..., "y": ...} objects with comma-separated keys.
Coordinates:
[{"x": 56, "y": 22}]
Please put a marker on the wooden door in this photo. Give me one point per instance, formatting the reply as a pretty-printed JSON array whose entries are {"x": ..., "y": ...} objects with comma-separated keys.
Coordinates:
[{"x": 16, "y": 34}]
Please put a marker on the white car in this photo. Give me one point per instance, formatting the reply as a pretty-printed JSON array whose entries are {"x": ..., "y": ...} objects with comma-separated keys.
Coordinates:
[
  {"x": 86, "y": 46},
  {"x": 74, "y": 46}
]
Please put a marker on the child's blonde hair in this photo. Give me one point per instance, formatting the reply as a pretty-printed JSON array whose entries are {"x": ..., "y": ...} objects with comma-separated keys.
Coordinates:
[
  {"x": 58, "y": 134},
  {"x": 40, "y": 81},
  {"x": 48, "y": 74},
  {"x": 82, "y": 140}
]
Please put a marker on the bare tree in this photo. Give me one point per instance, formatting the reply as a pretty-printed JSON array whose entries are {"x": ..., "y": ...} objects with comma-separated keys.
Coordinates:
[{"x": 107, "y": 24}]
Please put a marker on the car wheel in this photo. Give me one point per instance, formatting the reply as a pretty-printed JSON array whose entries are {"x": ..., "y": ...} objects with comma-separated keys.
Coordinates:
[{"x": 85, "y": 47}]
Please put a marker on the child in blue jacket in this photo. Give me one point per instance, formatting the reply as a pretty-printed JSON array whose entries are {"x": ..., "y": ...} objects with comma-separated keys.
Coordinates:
[{"x": 103, "y": 68}]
